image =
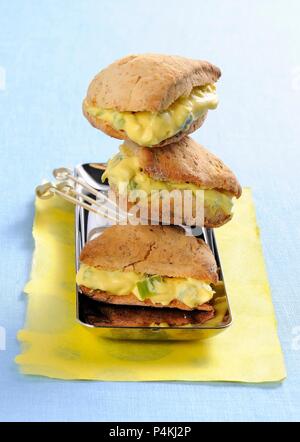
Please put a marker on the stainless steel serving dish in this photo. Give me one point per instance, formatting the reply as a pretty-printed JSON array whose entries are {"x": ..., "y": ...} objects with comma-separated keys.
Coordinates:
[{"x": 88, "y": 225}]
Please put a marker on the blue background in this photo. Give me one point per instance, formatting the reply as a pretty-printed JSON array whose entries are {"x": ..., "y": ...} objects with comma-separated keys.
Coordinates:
[{"x": 50, "y": 50}]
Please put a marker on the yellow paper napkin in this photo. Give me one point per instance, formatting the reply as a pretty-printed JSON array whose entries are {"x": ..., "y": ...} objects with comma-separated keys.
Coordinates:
[{"x": 55, "y": 345}]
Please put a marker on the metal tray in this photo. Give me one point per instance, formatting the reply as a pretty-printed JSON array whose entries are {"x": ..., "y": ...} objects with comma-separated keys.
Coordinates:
[{"x": 89, "y": 225}]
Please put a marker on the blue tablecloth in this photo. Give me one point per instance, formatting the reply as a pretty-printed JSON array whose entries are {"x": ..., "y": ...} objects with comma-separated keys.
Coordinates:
[{"x": 49, "y": 51}]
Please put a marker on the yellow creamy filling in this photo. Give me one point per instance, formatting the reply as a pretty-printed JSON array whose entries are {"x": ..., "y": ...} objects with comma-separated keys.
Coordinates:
[
  {"x": 150, "y": 128},
  {"x": 162, "y": 290},
  {"x": 124, "y": 172}
]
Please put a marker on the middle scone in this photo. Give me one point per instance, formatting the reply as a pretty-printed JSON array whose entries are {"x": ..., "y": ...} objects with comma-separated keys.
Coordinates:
[
  {"x": 152, "y": 99},
  {"x": 150, "y": 266},
  {"x": 141, "y": 176}
]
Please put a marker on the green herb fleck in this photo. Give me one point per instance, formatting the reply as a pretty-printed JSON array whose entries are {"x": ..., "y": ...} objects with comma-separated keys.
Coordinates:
[{"x": 147, "y": 287}]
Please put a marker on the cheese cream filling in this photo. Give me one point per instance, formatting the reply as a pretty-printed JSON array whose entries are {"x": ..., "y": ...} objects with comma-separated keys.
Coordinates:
[
  {"x": 150, "y": 128},
  {"x": 123, "y": 172},
  {"x": 160, "y": 290}
]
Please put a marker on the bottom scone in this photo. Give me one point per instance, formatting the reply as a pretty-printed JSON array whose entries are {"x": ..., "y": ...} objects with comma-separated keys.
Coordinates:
[
  {"x": 148, "y": 266},
  {"x": 104, "y": 315}
]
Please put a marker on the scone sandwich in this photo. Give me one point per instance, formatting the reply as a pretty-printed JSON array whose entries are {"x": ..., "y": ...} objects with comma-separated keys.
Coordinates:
[
  {"x": 182, "y": 165},
  {"x": 152, "y": 99},
  {"x": 148, "y": 266}
]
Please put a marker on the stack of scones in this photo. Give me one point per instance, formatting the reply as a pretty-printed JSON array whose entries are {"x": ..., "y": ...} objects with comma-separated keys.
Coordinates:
[{"x": 154, "y": 272}]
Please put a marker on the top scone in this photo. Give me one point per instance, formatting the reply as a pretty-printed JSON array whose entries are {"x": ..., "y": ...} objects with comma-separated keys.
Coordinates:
[{"x": 151, "y": 99}]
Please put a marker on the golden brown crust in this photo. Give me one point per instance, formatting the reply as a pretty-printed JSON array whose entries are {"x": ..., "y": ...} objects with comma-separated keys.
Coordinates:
[
  {"x": 102, "y": 315},
  {"x": 110, "y": 298},
  {"x": 218, "y": 219},
  {"x": 188, "y": 162},
  {"x": 148, "y": 82},
  {"x": 154, "y": 250},
  {"x": 121, "y": 135}
]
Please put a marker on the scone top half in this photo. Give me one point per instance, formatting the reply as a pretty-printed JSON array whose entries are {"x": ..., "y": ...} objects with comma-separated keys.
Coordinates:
[
  {"x": 182, "y": 165},
  {"x": 152, "y": 99},
  {"x": 154, "y": 266}
]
